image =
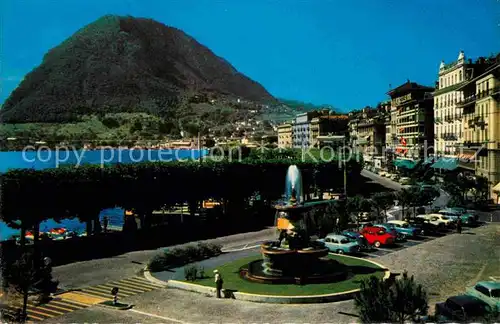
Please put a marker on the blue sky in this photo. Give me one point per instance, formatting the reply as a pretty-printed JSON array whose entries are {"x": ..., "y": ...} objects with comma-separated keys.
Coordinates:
[{"x": 344, "y": 53}]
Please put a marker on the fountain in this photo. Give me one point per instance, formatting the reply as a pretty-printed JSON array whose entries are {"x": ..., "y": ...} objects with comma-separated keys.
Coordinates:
[{"x": 294, "y": 258}]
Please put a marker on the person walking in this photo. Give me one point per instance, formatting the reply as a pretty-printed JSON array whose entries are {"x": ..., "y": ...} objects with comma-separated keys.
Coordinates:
[
  {"x": 459, "y": 226},
  {"x": 218, "y": 283}
]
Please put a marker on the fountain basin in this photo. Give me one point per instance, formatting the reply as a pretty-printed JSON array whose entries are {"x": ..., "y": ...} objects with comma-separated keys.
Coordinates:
[{"x": 301, "y": 266}]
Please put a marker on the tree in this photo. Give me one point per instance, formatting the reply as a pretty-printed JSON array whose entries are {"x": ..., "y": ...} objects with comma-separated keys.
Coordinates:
[
  {"x": 21, "y": 275},
  {"x": 404, "y": 199},
  {"x": 382, "y": 201},
  {"x": 481, "y": 188},
  {"x": 400, "y": 301}
]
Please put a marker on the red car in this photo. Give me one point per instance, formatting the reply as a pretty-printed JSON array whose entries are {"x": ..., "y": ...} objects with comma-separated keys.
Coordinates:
[{"x": 378, "y": 236}]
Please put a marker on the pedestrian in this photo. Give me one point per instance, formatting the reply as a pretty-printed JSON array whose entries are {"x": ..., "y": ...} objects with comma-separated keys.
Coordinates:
[
  {"x": 218, "y": 283},
  {"x": 459, "y": 226},
  {"x": 105, "y": 224}
]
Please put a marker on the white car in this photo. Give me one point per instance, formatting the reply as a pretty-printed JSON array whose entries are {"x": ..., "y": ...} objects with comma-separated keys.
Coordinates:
[
  {"x": 382, "y": 173},
  {"x": 404, "y": 181},
  {"x": 394, "y": 177},
  {"x": 436, "y": 219}
]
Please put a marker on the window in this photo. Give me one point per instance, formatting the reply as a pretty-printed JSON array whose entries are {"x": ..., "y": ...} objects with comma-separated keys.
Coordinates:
[
  {"x": 495, "y": 293},
  {"x": 440, "y": 83},
  {"x": 487, "y": 86},
  {"x": 460, "y": 75}
]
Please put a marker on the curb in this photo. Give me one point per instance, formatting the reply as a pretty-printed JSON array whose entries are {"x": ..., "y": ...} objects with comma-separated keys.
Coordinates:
[
  {"x": 128, "y": 306},
  {"x": 276, "y": 299},
  {"x": 149, "y": 277}
]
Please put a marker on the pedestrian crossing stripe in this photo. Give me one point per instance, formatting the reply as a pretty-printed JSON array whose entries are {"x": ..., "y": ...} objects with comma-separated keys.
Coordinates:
[{"x": 53, "y": 308}]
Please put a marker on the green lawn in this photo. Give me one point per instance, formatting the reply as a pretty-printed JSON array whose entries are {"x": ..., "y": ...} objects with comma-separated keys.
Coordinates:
[{"x": 233, "y": 281}]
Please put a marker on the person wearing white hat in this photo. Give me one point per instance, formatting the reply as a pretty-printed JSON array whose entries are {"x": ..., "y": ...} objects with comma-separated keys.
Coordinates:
[{"x": 218, "y": 282}]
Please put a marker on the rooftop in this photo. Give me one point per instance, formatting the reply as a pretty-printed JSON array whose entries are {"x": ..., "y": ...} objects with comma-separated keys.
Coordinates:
[{"x": 409, "y": 86}]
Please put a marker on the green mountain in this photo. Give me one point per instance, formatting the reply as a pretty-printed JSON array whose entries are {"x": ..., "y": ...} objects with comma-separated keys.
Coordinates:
[{"x": 126, "y": 65}]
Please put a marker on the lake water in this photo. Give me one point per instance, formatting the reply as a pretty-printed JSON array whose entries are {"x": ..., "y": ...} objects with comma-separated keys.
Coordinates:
[{"x": 51, "y": 159}]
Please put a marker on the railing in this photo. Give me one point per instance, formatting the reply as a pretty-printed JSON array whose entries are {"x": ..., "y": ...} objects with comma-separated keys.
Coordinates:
[
  {"x": 438, "y": 120},
  {"x": 448, "y": 118},
  {"x": 458, "y": 117},
  {"x": 479, "y": 95}
]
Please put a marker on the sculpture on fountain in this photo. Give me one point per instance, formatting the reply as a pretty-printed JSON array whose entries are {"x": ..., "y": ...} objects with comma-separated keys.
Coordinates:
[{"x": 293, "y": 257}]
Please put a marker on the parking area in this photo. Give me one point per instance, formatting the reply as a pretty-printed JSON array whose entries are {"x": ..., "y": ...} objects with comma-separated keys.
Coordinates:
[{"x": 385, "y": 250}]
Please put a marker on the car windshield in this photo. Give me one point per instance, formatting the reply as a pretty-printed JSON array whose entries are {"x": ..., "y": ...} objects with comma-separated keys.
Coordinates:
[
  {"x": 344, "y": 241},
  {"x": 495, "y": 293},
  {"x": 405, "y": 225},
  {"x": 444, "y": 217},
  {"x": 382, "y": 232}
]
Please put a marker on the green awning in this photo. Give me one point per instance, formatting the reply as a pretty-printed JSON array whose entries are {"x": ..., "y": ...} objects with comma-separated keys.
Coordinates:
[
  {"x": 407, "y": 164},
  {"x": 429, "y": 160},
  {"x": 449, "y": 164}
]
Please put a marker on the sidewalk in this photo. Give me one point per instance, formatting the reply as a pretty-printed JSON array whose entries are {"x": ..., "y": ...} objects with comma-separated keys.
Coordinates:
[{"x": 98, "y": 271}]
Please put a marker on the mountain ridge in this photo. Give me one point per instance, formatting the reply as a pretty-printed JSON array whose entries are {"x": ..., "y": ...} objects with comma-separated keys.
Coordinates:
[{"x": 125, "y": 64}]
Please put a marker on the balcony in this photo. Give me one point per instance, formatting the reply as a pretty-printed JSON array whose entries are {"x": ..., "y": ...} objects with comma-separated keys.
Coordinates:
[
  {"x": 458, "y": 117},
  {"x": 480, "y": 95},
  {"x": 449, "y": 118},
  {"x": 438, "y": 120}
]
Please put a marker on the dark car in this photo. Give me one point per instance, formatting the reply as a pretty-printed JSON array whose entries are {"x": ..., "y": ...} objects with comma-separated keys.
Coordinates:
[
  {"x": 462, "y": 308},
  {"x": 356, "y": 236},
  {"x": 425, "y": 227}
]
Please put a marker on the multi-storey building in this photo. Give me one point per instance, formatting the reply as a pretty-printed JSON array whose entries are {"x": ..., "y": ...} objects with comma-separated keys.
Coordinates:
[
  {"x": 480, "y": 150},
  {"x": 414, "y": 119},
  {"x": 449, "y": 129},
  {"x": 352, "y": 126},
  {"x": 370, "y": 129},
  {"x": 301, "y": 131},
  {"x": 285, "y": 135},
  {"x": 327, "y": 124}
]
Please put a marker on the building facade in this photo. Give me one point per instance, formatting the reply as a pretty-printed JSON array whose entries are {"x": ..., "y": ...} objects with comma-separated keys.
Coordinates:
[
  {"x": 414, "y": 119},
  {"x": 300, "y": 131},
  {"x": 285, "y": 135},
  {"x": 448, "y": 128},
  {"x": 370, "y": 128},
  {"x": 327, "y": 124},
  {"x": 480, "y": 151}
]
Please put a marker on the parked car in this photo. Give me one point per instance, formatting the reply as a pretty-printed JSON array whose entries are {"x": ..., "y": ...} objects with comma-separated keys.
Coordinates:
[
  {"x": 394, "y": 177},
  {"x": 405, "y": 181},
  {"x": 487, "y": 291},
  {"x": 357, "y": 237},
  {"x": 434, "y": 219},
  {"x": 454, "y": 214},
  {"x": 390, "y": 228},
  {"x": 377, "y": 236},
  {"x": 340, "y": 244},
  {"x": 405, "y": 228},
  {"x": 382, "y": 173},
  {"x": 462, "y": 308},
  {"x": 425, "y": 227}
]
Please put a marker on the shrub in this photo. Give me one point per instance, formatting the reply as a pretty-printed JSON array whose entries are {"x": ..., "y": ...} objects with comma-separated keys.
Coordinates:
[
  {"x": 399, "y": 301},
  {"x": 181, "y": 256},
  {"x": 190, "y": 272},
  {"x": 157, "y": 263}
]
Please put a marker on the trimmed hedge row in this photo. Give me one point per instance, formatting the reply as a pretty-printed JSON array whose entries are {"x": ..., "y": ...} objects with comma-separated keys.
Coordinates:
[
  {"x": 179, "y": 257},
  {"x": 32, "y": 196}
]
